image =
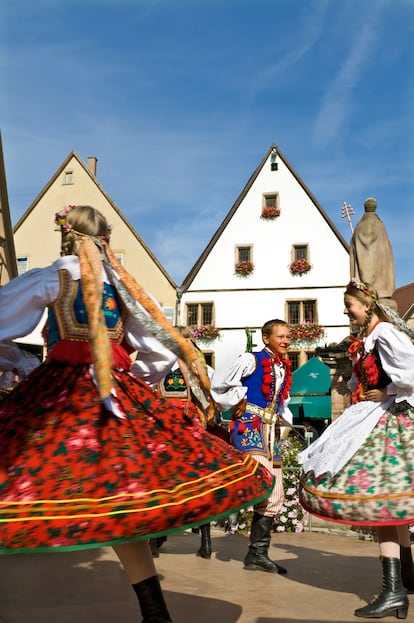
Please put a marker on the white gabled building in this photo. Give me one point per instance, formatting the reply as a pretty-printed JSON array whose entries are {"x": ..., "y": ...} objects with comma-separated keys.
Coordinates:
[{"x": 213, "y": 293}]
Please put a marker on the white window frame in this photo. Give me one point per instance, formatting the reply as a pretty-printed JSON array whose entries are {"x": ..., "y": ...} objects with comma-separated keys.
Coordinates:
[
  {"x": 200, "y": 312},
  {"x": 300, "y": 251},
  {"x": 302, "y": 317},
  {"x": 270, "y": 200},
  {"x": 239, "y": 251},
  {"x": 23, "y": 264}
]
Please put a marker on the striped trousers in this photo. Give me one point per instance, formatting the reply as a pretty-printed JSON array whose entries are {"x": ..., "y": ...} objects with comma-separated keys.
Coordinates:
[{"x": 272, "y": 505}]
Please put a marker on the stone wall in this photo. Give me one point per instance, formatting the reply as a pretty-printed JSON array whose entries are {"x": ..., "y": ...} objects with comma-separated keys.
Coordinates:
[{"x": 337, "y": 359}]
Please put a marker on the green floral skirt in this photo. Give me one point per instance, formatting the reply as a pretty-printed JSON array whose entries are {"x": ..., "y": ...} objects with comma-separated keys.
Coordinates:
[{"x": 376, "y": 486}]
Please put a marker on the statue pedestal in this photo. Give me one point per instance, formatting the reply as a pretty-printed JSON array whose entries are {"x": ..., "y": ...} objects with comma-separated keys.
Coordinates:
[
  {"x": 336, "y": 357},
  {"x": 390, "y": 303}
]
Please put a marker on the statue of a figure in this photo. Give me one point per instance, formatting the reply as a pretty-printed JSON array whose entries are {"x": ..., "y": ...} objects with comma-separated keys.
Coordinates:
[{"x": 371, "y": 257}]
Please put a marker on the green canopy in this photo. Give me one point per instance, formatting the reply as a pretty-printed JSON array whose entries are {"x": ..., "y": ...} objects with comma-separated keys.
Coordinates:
[{"x": 311, "y": 391}]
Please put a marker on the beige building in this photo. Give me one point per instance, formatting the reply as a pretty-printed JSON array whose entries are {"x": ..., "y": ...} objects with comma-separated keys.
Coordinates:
[
  {"x": 37, "y": 239},
  {"x": 404, "y": 297}
]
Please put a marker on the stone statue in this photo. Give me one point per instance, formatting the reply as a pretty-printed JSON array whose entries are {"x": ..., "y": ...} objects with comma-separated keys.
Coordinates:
[{"x": 371, "y": 257}]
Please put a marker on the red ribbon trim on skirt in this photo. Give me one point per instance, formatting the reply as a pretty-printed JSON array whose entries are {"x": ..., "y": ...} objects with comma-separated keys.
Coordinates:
[{"x": 74, "y": 352}]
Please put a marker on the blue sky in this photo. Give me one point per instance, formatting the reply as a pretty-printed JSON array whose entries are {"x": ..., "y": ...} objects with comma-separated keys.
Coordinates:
[{"x": 180, "y": 99}]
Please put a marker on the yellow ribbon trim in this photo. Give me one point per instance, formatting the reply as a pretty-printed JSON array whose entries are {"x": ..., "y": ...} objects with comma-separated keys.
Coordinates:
[{"x": 254, "y": 465}]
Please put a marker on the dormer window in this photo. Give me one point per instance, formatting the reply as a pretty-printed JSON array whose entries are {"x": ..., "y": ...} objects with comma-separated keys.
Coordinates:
[
  {"x": 300, "y": 252},
  {"x": 243, "y": 254},
  {"x": 243, "y": 261},
  {"x": 270, "y": 206}
]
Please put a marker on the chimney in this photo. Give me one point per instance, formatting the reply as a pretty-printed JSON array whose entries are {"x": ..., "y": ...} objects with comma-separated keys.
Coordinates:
[{"x": 92, "y": 164}]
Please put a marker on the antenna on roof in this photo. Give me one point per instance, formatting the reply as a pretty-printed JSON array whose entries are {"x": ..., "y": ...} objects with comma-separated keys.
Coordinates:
[{"x": 347, "y": 211}]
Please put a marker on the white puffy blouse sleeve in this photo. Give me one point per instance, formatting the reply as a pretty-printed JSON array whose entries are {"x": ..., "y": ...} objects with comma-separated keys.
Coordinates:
[
  {"x": 153, "y": 360},
  {"x": 396, "y": 352},
  {"x": 22, "y": 303},
  {"x": 226, "y": 385}
]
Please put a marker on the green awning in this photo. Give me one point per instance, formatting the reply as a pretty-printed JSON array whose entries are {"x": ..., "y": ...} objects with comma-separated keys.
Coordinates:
[
  {"x": 311, "y": 391},
  {"x": 311, "y": 407}
]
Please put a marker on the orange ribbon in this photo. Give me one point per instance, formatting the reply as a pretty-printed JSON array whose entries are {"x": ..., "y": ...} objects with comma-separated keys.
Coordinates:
[
  {"x": 355, "y": 347},
  {"x": 90, "y": 260}
]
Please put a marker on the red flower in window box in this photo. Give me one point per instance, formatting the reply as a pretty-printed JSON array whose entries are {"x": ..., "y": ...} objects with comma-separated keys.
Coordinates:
[
  {"x": 300, "y": 266},
  {"x": 270, "y": 212},
  {"x": 306, "y": 332},
  {"x": 204, "y": 332},
  {"x": 244, "y": 269}
]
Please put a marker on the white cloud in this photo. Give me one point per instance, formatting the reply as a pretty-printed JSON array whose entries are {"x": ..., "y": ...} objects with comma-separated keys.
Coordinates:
[{"x": 337, "y": 104}]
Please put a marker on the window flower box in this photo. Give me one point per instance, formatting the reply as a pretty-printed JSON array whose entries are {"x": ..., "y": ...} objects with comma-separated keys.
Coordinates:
[
  {"x": 244, "y": 269},
  {"x": 270, "y": 212},
  {"x": 300, "y": 266},
  {"x": 206, "y": 332},
  {"x": 306, "y": 332}
]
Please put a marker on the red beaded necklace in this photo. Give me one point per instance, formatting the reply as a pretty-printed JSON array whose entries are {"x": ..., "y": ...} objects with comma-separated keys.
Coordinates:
[
  {"x": 268, "y": 384},
  {"x": 365, "y": 366}
]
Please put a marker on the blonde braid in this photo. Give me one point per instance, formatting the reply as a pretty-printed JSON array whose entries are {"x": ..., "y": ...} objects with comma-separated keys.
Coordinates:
[
  {"x": 67, "y": 243},
  {"x": 363, "y": 330}
]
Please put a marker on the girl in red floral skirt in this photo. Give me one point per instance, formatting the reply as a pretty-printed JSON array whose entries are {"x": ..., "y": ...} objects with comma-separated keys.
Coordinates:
[{"x": 89, "y": 455}]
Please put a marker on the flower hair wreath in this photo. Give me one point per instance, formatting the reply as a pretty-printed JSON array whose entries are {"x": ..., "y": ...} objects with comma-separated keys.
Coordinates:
[
  {"x": 61, "y": 216},
  {"x": 360, "y": 285},
  {"x": 61, "y": 220}
]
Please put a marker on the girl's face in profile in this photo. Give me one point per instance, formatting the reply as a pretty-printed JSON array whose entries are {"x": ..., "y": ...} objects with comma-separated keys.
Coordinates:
[{"x": 355, "y": 310}]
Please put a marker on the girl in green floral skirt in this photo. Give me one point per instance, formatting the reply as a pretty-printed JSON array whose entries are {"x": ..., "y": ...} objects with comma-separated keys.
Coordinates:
[{"x": 361, "y": 471}]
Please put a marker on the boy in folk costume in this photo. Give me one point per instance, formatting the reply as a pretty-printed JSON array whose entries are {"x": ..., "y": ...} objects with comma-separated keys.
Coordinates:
[{"x": 256, "y": 387}]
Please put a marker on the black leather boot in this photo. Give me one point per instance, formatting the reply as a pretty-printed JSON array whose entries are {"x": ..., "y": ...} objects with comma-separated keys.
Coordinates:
[
  {"x": 154, "y": 548},
  {"x": 205, "y": 549},
  {"x": 155, "y": 545},
  {"x": 393, "y": 597},
  {"x": 257, "y": 557},
  {"x": 151, "y": 601},
  {"x": 407, "y": 567}
]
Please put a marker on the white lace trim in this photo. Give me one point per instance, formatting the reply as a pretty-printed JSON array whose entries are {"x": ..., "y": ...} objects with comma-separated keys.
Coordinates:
[{"x": 339, "y": 442}]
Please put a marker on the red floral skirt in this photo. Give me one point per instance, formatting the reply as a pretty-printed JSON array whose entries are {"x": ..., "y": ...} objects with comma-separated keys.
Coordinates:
[{"x": 73, "y": 475}]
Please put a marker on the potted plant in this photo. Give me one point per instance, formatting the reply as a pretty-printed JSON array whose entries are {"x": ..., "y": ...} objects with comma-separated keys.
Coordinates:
[
  {"x": 244, "y": 268},
  {"x": 204, "y": 332},
  {"x": 300, "y": 266},
  {"x": 306, "y": 332},
  {"x": 270, "y": 212},
  {"x": 292, "y": 516}
]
